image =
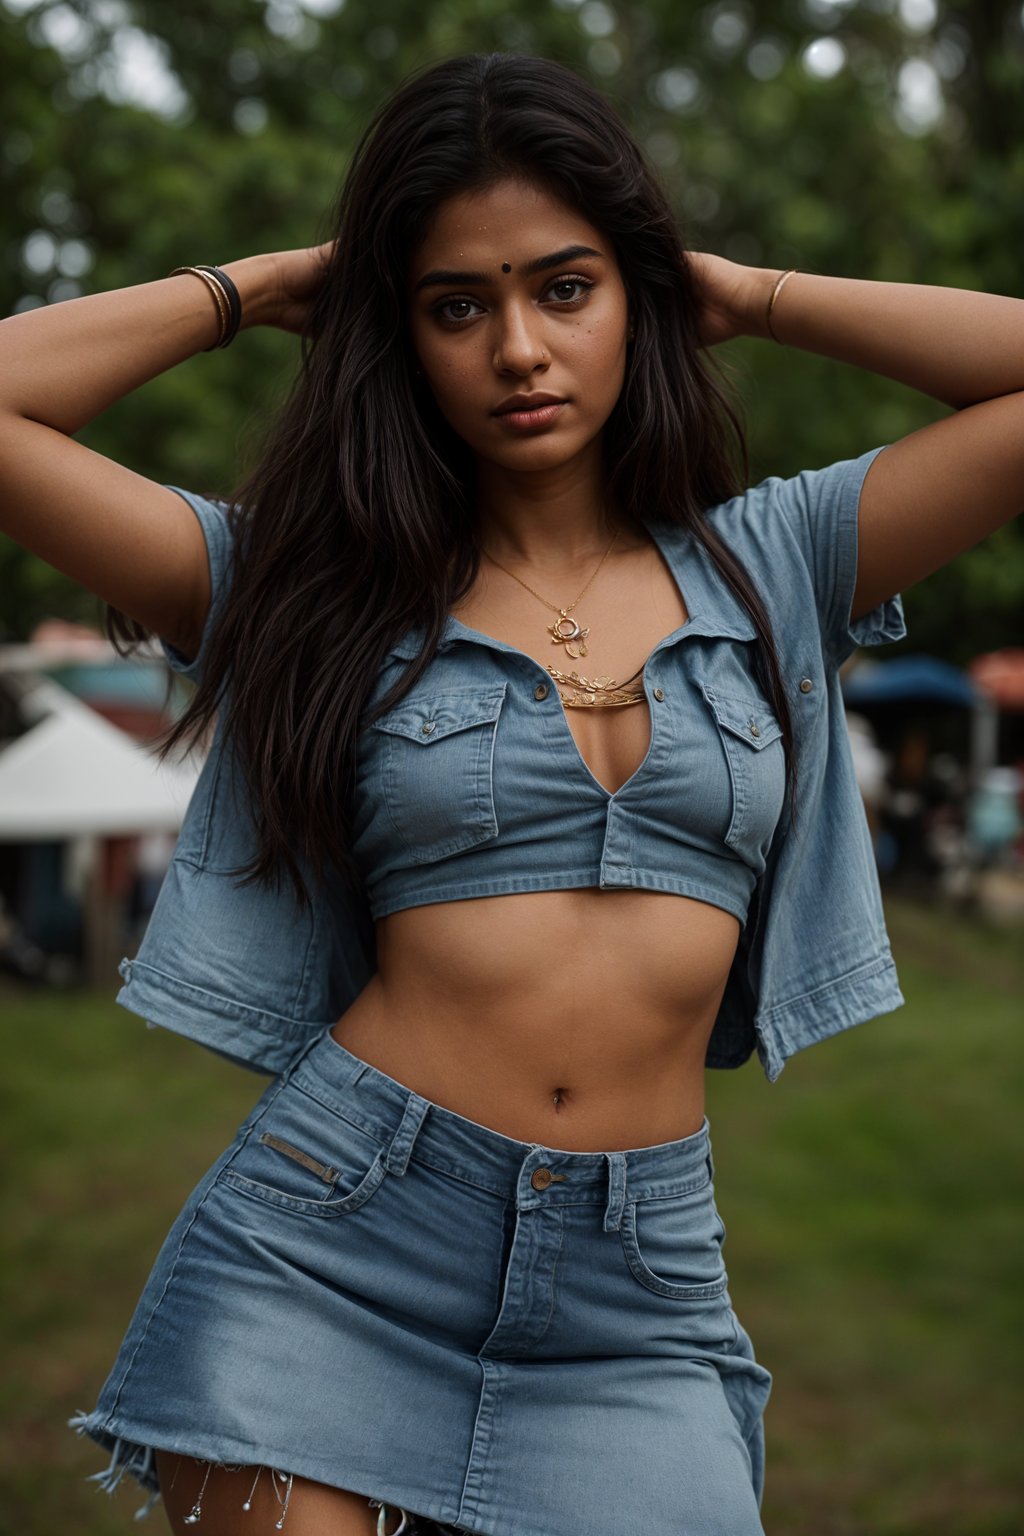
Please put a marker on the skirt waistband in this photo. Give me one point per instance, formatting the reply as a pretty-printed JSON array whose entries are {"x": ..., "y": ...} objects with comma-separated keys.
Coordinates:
[{"x": 529, "y": 1173}]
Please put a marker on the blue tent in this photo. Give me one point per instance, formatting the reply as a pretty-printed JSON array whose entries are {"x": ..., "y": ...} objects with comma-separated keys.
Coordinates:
[{"x": 910, "y": 678}]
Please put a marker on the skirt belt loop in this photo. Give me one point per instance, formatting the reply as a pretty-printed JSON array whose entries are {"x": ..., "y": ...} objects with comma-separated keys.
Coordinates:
[
  {"x": 396, "y": 1159},
  {"x": 616, "y": 1190}
]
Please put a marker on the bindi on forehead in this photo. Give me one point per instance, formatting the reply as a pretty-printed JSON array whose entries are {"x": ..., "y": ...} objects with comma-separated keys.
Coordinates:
[{"x": 444, "y": 278}]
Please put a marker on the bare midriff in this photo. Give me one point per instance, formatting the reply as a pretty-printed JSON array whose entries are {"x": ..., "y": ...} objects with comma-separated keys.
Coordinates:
[{"x": 578, "y": 1019}]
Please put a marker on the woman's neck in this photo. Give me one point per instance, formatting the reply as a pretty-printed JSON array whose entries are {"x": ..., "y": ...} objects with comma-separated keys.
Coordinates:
[{"x": 554, "y": 523}]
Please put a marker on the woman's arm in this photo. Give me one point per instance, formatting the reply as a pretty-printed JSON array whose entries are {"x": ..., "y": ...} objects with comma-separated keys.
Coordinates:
[
  {"x": 941, "y": 489},
  {"x": 132, "y": 542}
]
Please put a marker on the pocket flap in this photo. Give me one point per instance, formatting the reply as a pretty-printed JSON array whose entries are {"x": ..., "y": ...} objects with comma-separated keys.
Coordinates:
[
  {"x": 425, "y": 718},
  {"x": 751, "y": 719}
]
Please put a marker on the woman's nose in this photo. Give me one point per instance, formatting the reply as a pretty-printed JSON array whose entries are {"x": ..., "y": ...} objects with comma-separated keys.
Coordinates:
[{"x": 520, "y": 345}]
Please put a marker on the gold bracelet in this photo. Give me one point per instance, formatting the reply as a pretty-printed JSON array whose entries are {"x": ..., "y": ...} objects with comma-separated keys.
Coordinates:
[
  {"x": 219, "y": 298},
  {"x": 771, "y": 302}
]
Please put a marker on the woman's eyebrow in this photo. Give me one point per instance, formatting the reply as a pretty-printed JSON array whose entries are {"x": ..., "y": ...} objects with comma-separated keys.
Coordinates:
[{"x": 450, "y": 279}]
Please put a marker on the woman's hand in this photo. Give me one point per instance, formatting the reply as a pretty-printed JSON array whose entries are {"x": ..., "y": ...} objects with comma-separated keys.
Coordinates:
[
  {"x": 733, "y": 298},
  {"x": 298, "y": 277},
  {"x": 279, "y": 288}
]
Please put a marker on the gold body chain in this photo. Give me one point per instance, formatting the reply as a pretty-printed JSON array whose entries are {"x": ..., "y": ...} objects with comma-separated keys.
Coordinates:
[{"x": 596, "y": 692}]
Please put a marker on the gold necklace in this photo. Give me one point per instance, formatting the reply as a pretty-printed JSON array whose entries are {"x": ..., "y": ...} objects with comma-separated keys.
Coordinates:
[
  {"x": 581, "y": 692},
  {"x": 573, "y": 637}
]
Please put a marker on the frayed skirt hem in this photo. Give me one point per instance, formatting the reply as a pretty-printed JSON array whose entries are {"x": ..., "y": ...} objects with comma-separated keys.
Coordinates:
[{"x": 138, "y": 1460}]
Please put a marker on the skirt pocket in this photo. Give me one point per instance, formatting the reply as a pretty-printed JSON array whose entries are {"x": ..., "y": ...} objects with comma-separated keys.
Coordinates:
[
  {"x": 306, "y": 1159},
  {"x": 673, "y": 1244}
]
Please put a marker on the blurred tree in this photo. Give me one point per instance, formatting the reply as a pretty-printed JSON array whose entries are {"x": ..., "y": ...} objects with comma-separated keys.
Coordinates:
[{"x": 879, "y": 139}]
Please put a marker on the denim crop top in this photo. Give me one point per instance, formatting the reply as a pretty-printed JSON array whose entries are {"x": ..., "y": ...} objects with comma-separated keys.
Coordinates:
[{"x": 473, "y": 785}]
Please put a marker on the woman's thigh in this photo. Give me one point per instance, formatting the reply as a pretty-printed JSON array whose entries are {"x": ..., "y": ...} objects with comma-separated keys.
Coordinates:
[{"x": 308, "y": 1508}]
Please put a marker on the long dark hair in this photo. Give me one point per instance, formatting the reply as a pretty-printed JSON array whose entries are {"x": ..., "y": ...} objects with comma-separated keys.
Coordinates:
[{"x": 358, "y": 520}]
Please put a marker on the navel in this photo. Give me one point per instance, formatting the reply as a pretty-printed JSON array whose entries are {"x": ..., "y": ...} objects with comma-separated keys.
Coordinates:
[{"x": 559, "y": 1097}]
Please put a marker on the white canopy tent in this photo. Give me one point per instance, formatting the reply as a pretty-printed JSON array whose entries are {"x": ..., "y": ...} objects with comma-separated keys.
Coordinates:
[{"x": 74, "y": 774}]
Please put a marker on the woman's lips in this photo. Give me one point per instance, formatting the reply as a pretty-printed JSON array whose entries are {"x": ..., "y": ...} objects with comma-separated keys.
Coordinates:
[{"x": 524, "y": 421}]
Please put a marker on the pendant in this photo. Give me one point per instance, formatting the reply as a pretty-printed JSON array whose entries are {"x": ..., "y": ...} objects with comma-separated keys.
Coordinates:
[{"x": 573, "y": 638}]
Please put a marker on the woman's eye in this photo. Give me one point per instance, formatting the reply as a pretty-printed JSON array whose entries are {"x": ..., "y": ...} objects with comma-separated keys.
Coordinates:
[
  {"x": 460, "y": 306},
  {"x": 560, "y": 284}
]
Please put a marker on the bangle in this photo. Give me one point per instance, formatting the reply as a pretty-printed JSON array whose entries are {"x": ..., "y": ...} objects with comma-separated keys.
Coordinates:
[
  {"x": 234, "y": 301},
  {"x": 225, "y": 296},
  {"x": 219, "y": 299},
  {"x": 771, "y": 302}
]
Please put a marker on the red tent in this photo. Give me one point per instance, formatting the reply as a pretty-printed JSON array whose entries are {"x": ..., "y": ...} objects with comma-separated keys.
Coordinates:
[{"x": 1001, "y": 674}]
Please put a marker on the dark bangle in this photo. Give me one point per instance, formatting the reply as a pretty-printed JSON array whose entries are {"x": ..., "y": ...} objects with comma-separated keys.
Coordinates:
[
  {"x": 234, "y": 302},
  {"x": 225, "y": 296}
]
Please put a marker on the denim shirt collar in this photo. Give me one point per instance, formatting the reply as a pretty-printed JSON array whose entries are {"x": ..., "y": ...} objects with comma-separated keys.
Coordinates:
[{"x": 713, "y": 607}]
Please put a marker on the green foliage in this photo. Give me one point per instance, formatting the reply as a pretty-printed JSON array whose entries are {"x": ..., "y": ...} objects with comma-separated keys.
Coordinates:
[{"x": 767, "y": 162}]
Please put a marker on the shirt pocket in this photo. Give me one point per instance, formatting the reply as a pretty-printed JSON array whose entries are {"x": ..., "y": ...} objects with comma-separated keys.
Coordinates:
[
  {"x": 751, "y": 737},
  {"x": 436, "y": 752}
]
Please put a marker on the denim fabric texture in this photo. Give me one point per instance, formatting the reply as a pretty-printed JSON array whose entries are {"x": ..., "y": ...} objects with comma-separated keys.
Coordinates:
[
  {"x": 505, "y": 1337},
  {"x": 489, "y": 772},
  {"x": 474, "y": 786}
]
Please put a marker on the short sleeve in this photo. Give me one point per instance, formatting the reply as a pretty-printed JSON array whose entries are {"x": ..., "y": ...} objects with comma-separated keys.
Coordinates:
[
  {"x": 821, "y": 506},
  {"x": 213, "y": 519}
]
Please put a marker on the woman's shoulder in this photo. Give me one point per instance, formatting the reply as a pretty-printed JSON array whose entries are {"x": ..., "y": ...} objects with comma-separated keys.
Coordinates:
[{"x": 798, "y": 491}]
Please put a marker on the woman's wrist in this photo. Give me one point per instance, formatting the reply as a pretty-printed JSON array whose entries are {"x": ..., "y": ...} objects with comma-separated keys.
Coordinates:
[
  {"x": 255, "y": 277},
  {"x": 756, "y": 296}
]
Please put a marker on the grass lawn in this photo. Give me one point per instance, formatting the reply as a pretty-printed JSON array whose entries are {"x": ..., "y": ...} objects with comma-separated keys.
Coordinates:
[{"x": 872, "y": 1199}]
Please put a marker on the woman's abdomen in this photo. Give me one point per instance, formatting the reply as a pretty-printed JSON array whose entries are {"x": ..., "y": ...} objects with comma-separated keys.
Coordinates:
[{"x": 578, "y": 1018}]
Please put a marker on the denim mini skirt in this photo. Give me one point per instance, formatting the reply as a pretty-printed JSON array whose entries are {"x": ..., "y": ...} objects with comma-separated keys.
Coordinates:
[{"x": 487, "y": 1335}]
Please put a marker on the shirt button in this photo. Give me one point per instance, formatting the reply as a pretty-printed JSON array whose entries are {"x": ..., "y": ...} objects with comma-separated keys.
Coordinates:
[
  {"x": 428, "y": 726},
  {"x": 806, "y": 685},
  {"x": 541, "y": 691},
  {"x": 754, "y": 731},
  {"x": 659, "y": 694},
  {"x": 541, "y": 1178}
]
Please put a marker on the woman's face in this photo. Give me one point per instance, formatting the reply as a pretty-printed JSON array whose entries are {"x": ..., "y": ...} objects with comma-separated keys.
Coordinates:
[{"x": 513, "y": 292}]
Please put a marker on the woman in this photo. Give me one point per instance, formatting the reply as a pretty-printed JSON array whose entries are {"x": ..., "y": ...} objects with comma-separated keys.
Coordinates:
[{"x": 544, "y": 703}]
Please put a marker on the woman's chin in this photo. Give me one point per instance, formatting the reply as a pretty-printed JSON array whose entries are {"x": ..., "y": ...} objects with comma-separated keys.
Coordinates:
[{"x": 547, "y": 451}]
